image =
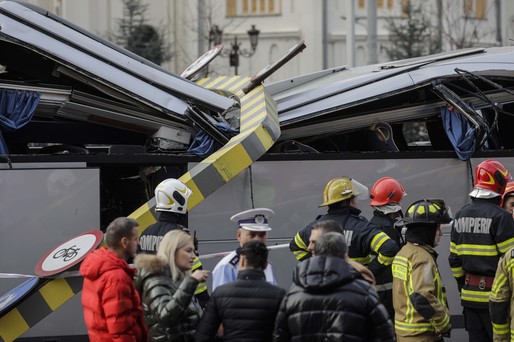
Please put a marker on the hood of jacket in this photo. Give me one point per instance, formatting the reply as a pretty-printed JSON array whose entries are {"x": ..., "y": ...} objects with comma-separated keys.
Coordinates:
[
  {"x": 149, "y": 265},
  {"x": 101, "y": 261},
  {"x": 320, "y": 273}
]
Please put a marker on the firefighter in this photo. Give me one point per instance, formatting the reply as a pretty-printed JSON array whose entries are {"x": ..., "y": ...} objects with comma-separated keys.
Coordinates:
[
  {"x": 421, "y": 310},
  {"x": 385, "y": 199},
  {"x": 481, "y": 233},
  {"x": 171, "y": 197},
  {"x": 508, "y": 198},
  {"x": 500, "y": 301},
  {"x": 366, "y": 243}
]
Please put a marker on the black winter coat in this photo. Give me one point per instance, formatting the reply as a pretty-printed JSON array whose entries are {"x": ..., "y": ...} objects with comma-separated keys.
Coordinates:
[
  {"x": 328, "y": 302},
  {"x": 247, "y": 308},
  {"x": 171, "y": 312}
]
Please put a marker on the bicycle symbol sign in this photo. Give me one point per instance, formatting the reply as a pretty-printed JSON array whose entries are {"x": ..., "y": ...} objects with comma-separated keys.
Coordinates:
[{"x": 67, "y": 254}]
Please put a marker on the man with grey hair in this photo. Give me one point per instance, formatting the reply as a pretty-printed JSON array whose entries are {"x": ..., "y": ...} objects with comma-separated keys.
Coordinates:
[{"x": 348, "y": 308}]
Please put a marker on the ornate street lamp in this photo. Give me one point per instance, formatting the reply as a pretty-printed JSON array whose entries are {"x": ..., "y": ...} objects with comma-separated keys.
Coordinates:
[{"x": 215, "y": 35}]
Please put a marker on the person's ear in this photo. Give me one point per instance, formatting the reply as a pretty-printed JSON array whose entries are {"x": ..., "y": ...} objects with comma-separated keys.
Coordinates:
[
  {"x": 238, "y": 234},
  {"x": 124, "y": 242}
]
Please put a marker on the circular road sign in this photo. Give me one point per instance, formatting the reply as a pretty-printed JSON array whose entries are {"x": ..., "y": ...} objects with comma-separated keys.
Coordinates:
[
  {"x": 201, "y": 61},
  {"x": 68, "y": 253}
]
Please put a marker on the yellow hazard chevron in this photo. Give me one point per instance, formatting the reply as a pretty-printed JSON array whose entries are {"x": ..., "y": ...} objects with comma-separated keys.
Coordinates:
[
  {"x": 45, "y": 299},
  {"x": 259, "y": 129}
]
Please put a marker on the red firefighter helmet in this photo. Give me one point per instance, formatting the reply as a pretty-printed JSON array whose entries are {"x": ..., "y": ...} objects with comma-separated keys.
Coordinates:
[
  {"x": 386, "y": 190},
  {"x": 509, "y": 191},
  {"x": 492, "y": 175}
]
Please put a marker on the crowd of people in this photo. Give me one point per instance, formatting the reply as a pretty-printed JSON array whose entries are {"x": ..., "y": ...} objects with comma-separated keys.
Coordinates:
[{"x": 355, "y": 280}]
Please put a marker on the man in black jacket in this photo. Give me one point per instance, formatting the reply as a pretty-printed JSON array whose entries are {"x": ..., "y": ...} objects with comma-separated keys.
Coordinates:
[
  {"x": 247, "y": 307},
  {"x": 329, "y": 301}
]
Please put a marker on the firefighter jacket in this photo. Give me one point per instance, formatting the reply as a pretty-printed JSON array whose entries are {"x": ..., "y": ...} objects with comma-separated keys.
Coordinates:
[
  {"x": 384, "y": 281},
  {"x": 501, "y": 306},
  {"x": 481, "y": 232},
  {"x": 367, "y": 245},
  {"x": 150, "y": 240},
  {"x": 418, "y": 293}
]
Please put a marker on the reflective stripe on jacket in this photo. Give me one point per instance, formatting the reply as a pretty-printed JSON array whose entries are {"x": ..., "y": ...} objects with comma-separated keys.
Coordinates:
[
  {"x": 418, "y": 293},
  {"x": 481, "y": 233},
  {"x": 500, "y": 305},
  {"x": 367, "y": 245}
]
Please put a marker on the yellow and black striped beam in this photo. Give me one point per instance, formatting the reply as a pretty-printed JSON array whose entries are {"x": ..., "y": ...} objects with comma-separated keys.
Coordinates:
[
  {"x": 259, "y": 130},
  {"x": 47, "y": 297}
]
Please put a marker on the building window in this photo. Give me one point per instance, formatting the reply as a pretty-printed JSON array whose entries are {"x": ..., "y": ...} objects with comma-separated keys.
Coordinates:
[
  {"x": 381, "y": 4},
  {"x": 475, "y": 8},
  {"x": 246, "y": 8}
]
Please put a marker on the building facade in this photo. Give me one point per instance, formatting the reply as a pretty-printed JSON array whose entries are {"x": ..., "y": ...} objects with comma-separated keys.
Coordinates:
[{"x": 325, "y": 26}]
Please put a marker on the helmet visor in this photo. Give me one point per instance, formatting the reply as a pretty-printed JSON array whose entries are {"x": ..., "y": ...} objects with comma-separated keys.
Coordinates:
[{"x": 360, "y": 191}]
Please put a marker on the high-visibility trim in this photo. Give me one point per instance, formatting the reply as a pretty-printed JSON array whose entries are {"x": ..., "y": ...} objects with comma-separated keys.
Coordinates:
[
  {"x": 458, "y": 272},
  {"x": 202, "y": 287},
  {"x": 453, "y": 247},
  {"x": 299, "y": 255},
  {"x": 363, "y": 260},
  {"x": 299, "y": 241},
  {"x": 475, "y": 296},
  {"x": 45, "y": 299},
  {"x": 506, "y": 245},
  {"x": 303, "y": 251},
  {"x": 499, "y": 282},
  {"x": 479, "y": 250},
  {"x": 501, "y": 329},
  {"x": 440, "y": 325},
  {"x": 196, "y": 264},
  {"x": 413, "y": 327},
  {"x": 378, "y": 241},
  {"x": 385, "y": 260}
]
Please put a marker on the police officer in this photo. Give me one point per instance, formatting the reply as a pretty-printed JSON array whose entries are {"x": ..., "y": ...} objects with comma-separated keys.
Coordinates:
[
  {"x": 366, "y": 243},
  {"x": 481, "y": 233},
  {"x": 252, "y": 225},
  {"x": 421, "y": 310},
  {"x": 171, "y": 196},
  {"x": 385, "y": 199}
]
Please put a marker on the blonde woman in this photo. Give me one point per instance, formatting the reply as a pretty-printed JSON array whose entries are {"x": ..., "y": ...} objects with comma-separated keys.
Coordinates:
[{"x": 167, "y": 288}]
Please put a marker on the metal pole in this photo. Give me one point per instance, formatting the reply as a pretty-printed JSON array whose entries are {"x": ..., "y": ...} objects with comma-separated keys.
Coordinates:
[
  {"x": 201, "y": 29},
  {"x": 350, "y": 32},
  {"x": 440, "y": 24},
  {"x": 372, "y": 32},
  {"x": 324, "y": 23}
]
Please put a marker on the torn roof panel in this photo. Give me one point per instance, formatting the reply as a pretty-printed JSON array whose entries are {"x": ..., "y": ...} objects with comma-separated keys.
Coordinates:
[{"x": 344, "y": 100}]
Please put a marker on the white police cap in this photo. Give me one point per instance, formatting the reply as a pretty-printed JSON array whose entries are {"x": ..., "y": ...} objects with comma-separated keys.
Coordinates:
[{"x": 254, "y": 219}]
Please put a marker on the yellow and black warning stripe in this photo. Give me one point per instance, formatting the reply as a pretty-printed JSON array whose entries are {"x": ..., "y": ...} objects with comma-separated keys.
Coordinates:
[{"x": 47, "y": 297}]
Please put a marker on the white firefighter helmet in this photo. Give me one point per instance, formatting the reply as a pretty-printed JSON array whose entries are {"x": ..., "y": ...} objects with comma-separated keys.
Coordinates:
[{"x": 172, "y": 195}]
